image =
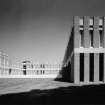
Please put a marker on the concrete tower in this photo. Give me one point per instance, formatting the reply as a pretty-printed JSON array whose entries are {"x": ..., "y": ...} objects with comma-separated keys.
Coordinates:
[{"x": 86, "y": 50}]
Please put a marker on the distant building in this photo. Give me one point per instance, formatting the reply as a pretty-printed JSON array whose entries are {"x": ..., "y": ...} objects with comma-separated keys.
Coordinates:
[
  {"x": 4, "y": 60},
  {"x": 85, "y": 52},
  {"x": 27, "y": 65},
  {"x": 26, "y": 69}
]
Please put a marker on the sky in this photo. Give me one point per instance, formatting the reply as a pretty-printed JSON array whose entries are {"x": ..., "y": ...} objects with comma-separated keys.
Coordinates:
[{"x": 39, "y": 29}]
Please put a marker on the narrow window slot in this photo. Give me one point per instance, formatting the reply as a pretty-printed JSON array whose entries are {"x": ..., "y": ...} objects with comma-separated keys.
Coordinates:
[
  {"x": 101, "y": 38},
  {"x": 82, "y": 67},
  {"x": 82, "y": 38},
  {"x": 91, "y": 37},
  {"x": 91, "y": 67},
  {"x": 101, "y": 66}
]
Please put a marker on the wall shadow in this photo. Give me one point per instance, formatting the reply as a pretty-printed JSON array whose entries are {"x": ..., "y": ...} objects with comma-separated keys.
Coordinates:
[
  {"x": 64, "y": 74},
  {"x": 92, "y": 94}
]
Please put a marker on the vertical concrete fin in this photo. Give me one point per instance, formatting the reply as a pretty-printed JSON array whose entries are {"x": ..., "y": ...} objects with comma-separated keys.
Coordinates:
[
  {"x": 0, "y": 58},
  {"x": 86, "y": 32},
  {"x": 76, "y": 32},
  {"x": 104, "y": 68},
  {"x": 72, "y": 69},
  {"x": 104, "y": 31},
  {"x": 76, "y": 68},
  {"x": 96, "y": 67},
  {"x": 104, "y": 43},
  {"x": 96, "y": 39},
  {"x": 86, "y": 45},
  {"x": 86, "y": 67}
]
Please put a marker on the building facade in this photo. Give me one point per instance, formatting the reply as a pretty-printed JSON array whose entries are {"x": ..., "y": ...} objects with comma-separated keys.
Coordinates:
[
  {"x": 85, "y": 52},
  {"x": 4, "y": 60},
  {"x": 26, "y": 69}
]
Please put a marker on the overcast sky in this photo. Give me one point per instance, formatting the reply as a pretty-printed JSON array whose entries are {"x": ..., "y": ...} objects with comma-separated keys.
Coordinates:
[{"x": 39, "y": 29}]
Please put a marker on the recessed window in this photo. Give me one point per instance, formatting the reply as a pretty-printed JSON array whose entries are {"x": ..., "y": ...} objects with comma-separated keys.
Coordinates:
[
  {"x": 91, "y": 67},
  {"x": 101, "y": 66},
  {"x": 101, "y": 37},
  {"x": 82, "y": 67},
  {"x": 91, "y": 37},
  {"x": 82, "y": 37}
]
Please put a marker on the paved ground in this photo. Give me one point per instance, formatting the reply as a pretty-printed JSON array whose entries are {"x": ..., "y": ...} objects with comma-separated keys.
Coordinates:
[
  {"x": 48, "y": 91},
  {"x": 12, "y": 85}
]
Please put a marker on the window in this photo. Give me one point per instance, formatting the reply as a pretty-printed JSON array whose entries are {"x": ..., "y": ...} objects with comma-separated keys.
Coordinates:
[
  {"x": 101, "y": 37},
  {"x": 82, "y": 37},
  {"x": 91, "y": 37},
  {"x": 81, "y": 66},
  {"x": 91, "y": 67},
  {"x": 101, "y": 66}
]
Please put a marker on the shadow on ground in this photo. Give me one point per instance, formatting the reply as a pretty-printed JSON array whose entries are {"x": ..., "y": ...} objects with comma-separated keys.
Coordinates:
[
  {"x": 64, "y": 74},
  {"x": 93, "y": 94}
]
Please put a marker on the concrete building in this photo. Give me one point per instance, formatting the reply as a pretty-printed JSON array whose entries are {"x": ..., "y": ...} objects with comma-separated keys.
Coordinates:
[
  {"x": 27, "y": 65},
  {"x": 4, "y": 60},
  {"x": 4, "y": 63},
  {"x": 85, "y": 53}
]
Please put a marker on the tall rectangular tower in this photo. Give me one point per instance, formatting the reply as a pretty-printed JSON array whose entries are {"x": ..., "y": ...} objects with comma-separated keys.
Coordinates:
[{"x": 87, "y": 57}]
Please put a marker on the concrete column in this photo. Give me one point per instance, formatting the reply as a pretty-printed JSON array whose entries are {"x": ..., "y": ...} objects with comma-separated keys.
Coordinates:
[
  {"x": 104, "y": 44},
  {"x": 76, "y": 68},
  {"x": 77, "y": 40},
  {"x": 77, "y": 43},
  {"x": 104, "y": 67},
  {"x": 86, "y": 67},
  {"x": 86, "y": 45},
  {"x": 4, "y": 61},
  {"x": 96, "y": 67},
  {"x": 72, "y": 69},
  {"x": 0, "y": 58},
  {"x": 96, "y": 36},
  {"x": 0, "y": 65},
  {"x": 96, "y": 41},
  {"x": 104, "y": 32},
  {"x": 86, "y": 32}
]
